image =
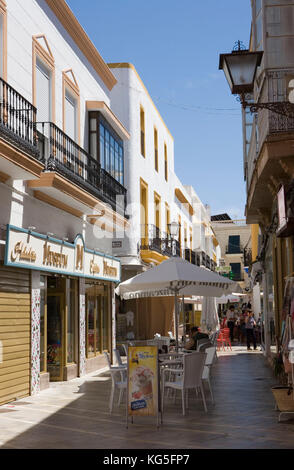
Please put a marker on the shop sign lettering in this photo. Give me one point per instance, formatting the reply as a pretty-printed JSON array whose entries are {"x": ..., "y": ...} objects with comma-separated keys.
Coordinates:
[
  {"x": 51, "y": 258},
  {"x": 23, "y": 252},
  {"x": 94, "y": 268},
  {"x": 109, "y": 270}
]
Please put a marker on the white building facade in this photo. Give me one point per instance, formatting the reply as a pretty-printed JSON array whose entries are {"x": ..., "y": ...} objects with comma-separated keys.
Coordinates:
[
  {"x": 156, "y": 198},
  {"x": 59, "y": 203}
]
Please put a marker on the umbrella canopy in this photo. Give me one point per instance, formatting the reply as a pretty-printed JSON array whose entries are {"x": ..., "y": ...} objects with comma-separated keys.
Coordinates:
[
  {"x": 209, "y": 316},
  {"x": 176, "y": 275}
]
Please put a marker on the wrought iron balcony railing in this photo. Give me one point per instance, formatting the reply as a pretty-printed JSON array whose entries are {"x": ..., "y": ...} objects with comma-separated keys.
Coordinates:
[
  {"x": 190, "y": 255},
  {"x": 247, "y": 256},
  {"x": 152, "y": 238},
  {"x": 234, "y": 249},
  {"x": 61, "y": 153},
  {"x": 18, "y": 120}
]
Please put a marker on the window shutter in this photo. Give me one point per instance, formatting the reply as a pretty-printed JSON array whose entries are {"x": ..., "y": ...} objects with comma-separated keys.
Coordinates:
[
  {"x": 70, "y": 117},
  {"x": 43, "y": 93}
]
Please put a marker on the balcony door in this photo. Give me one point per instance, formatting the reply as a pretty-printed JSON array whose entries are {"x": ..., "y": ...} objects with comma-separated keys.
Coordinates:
[
  {"x": 43, "y": 96},
  {"x": 70, "y": 116}
]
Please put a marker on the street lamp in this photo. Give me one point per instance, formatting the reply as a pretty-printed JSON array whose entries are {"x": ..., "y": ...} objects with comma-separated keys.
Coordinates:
[
  {"x": 240, "y": 70},
  {"x": 174, "y": 228}
]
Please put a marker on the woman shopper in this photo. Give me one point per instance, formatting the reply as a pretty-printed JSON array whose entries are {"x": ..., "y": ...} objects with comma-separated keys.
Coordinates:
[{"x": 250, "y": 333}]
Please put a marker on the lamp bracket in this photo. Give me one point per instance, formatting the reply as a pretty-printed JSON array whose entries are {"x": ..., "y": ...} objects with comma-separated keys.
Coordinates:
[{"x": 285, "y": 108}]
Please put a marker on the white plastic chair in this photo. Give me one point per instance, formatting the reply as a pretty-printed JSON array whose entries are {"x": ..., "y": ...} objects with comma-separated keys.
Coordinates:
[
  {"x": 189, "y": 377},
  {"x": 121, "y": 385},
  {"x": 210, "y": 355},
  {"x": 118, "y": 358}
]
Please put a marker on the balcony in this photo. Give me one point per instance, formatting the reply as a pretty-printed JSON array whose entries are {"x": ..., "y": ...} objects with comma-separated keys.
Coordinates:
[
  {"x": 154, "y": 240},
  {"x": 234, "y": 249},
  {"x": 18, "y": 129},
  {"x": 247, "y": 256},
  {"x": 190, "y": 256},
  {"x": 62, "y": 155}
]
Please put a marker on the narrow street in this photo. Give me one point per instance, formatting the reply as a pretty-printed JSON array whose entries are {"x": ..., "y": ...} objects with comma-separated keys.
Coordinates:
[{"x": 75, "y": 415}]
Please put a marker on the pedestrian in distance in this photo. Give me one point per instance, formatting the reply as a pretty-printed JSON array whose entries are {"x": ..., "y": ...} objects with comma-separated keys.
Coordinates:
[
  {"x": 231, "y": 318},
  {"x": 250, "y": 330}
]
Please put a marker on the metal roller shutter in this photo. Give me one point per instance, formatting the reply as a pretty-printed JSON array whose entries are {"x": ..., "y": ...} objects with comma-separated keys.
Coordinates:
[{"x": 15, "y": 334}]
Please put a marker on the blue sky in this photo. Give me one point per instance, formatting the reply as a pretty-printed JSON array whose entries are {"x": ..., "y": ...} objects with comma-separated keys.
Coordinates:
[{"x": 175, "y": 48}]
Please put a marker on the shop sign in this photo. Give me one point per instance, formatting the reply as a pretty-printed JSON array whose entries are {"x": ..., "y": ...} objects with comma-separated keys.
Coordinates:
[
  {"x": 223, "y": 269},
  {"x": 31, "y": 250},
  {"x": 143, "y": 384}
]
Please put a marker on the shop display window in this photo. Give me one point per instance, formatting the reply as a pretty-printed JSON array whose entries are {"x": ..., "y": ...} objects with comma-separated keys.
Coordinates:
[{"x": 98, "y": 332}]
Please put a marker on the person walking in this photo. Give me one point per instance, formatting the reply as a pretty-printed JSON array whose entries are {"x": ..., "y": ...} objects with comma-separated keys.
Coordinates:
[
  {"x": 250, "y": 333},
  {"x": 231, "y": 317}
]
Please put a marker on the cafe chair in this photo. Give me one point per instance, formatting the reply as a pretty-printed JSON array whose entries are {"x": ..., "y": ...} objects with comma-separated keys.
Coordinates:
[
  {"x": 118, "y": 358},
  {"x": 210, "y": 357},
  {"x": 118, "y": 381},
  {"x": 189, "y": 377}
]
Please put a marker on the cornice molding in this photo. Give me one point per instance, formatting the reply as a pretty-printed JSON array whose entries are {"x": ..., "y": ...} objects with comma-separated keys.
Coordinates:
[{"x": 66, "y": 17}]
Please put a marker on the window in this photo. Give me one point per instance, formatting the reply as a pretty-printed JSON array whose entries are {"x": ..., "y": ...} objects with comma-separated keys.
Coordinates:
[
  {"x": 43, "y": 81},
  {"x": 144, "y": 211},
  {"x": 3, "y": 40},
  {"x": 236, "y": 270},
  {"x": 167, "y": 217},
  {"x": 165, "y": 163},
  {"x": 98, "y": 331},
  {"x": 43, "y": 92},
  {"x": 71, "y": 106},
  {"x": 155, "y": 149},
  {"x": 234, "y": 244},
  {"x": 157, "y": 211},
  {"x": 185, "y": 236},
  {"x": 70, "y": 116},
  {"x": 142, "y": 127},
  {"x": 106, "y": 146}
]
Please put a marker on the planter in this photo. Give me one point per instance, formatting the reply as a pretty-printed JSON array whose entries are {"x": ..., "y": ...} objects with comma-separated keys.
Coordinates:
[{"x": 284, "y": 398}]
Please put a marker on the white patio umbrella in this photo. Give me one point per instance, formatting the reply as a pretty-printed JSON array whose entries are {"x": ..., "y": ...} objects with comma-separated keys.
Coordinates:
[
  {"x": 173, "y": 277},
  {"x": 209, "y": 316}
]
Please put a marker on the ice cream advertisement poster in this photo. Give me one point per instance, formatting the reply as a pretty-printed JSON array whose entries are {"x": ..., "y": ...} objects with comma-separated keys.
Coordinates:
[{"x": 142, "y": 381}]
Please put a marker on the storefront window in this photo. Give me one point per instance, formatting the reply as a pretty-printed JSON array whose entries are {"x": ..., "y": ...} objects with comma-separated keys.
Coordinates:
[
  {"x": 43, "y": 322},
  {"x": 71, "y": 314},
  {"x": 98, "y": 318}
]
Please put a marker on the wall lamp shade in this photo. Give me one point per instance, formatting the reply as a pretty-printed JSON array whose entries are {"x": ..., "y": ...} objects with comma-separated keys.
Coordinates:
[
  {"x": 240, "y": 69},
  {"x": 174, "y": 229}
]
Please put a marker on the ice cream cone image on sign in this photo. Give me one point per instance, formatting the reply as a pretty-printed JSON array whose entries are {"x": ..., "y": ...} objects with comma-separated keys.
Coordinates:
[{"x": 142, "y": 383}]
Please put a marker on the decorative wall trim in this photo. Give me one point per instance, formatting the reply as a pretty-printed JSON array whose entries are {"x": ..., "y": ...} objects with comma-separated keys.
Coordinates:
[{"x": 79, "y": 36}]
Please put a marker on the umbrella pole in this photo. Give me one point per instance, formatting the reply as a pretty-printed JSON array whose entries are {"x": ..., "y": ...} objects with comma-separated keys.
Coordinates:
[
  {"x": 176, "y": 320},
  {"x": 184, "y": 321}
]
